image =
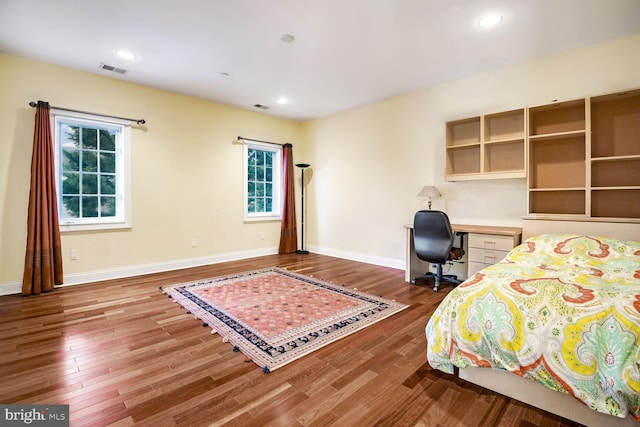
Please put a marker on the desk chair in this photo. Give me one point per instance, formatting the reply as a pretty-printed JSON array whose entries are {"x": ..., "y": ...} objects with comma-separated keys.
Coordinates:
[{"x": 433, "y": 241}]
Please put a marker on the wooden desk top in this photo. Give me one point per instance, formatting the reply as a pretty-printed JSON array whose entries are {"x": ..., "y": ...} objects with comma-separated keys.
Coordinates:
[
  {"x": 488, "y": 229},
  {"x": 484, "y": 229}
]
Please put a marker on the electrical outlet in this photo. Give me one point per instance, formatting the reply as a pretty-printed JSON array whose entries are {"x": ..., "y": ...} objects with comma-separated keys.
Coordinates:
[
  {"x": 73, "y": 254},
  {"x": 262, "y": 235},
  {"x": 194, "y": 243}
]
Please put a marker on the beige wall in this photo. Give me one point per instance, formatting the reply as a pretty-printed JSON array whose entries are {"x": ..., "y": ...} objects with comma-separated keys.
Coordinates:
[
  {"x": 370, "y": 163},
  {"x": 186, "y": 173}
]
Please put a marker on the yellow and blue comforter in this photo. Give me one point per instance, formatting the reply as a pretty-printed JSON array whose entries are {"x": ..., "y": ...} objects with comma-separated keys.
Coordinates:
[{"x": 561, "y": 309}]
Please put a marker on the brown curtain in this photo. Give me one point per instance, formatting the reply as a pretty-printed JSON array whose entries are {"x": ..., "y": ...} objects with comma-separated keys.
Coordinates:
[
  {"x": 43, "y": 259},
  {"x": 288, "y": 231}
]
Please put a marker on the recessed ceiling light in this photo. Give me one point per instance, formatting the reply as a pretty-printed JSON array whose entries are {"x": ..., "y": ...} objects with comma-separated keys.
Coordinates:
[
  {"x": 125, "y": 54},
  {"x": 489, "y": 21},
  {"x": 287, "y": 38},
  {"x": 282, "y": 100}
]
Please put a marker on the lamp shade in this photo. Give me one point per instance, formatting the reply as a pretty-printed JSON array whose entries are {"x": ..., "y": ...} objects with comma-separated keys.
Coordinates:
[{"x": 429, "y": 191}]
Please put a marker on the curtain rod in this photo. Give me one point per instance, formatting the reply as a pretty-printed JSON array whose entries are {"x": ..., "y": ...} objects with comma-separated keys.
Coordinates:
[
  {"x": 138, "y": 121},
  {"x": 264, "y": 142}
]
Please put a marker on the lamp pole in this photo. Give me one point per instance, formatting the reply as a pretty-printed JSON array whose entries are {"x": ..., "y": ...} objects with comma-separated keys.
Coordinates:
[{"x": 302, "y": 166}]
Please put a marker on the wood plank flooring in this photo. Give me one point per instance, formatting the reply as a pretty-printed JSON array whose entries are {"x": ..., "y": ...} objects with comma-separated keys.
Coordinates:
[{"x": 121, "y": 353}]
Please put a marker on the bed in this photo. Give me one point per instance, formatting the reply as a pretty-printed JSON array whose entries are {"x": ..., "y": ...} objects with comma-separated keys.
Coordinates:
[{"x": 562, "y": 313}]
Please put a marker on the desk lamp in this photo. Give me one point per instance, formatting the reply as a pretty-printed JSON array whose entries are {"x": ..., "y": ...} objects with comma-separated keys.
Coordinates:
[{"x": 429, "y": 191}]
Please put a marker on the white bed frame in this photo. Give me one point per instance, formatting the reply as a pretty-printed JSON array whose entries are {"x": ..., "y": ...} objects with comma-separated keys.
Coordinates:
[{"x": 531, "y": 392}]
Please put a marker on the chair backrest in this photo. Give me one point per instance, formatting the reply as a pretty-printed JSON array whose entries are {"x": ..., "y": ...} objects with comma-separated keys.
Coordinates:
[{"x": 432, "y": 236}]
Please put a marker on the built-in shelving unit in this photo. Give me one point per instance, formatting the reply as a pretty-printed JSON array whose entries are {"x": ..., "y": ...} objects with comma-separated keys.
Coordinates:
[
  {"x": 584, "y": 158},
  {"x": 486, "y": 147},
  {"x": 557, "y": 156},
  {"x": 581, "y": 157},
  {"x": 463, "y": 147},
  {"x": 615, "y": 155}
]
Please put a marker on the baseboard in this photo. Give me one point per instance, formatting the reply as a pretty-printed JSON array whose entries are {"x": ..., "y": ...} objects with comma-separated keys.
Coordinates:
[
  {"x": 137, "y": 270},
  {"x": 10, "y": 288},
  {"x": 353, "y": 256}
]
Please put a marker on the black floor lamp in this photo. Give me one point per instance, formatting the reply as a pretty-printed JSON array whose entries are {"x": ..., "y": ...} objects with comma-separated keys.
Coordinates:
[{"x": 302, "y": 166}]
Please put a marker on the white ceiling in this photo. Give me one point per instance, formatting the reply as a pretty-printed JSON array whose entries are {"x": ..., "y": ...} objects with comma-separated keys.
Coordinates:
[{"x": 346, "y": 53}]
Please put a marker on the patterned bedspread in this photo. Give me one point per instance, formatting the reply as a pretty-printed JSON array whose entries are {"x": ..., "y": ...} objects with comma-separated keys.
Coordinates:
[{"x": 560, "y": 309}]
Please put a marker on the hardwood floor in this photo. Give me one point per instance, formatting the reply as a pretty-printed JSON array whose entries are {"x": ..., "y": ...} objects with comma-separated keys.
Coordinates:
[{"x": 121, "y": 353}]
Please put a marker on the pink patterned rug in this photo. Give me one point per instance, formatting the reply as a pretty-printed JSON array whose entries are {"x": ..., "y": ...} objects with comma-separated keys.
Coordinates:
[{"x": 275, "y": 316}]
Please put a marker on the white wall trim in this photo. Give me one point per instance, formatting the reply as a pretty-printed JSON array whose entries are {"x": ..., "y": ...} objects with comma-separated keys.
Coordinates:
[
  {"x": 353, "y": 256},
  {"x": 10, "y": 288},
  {"x": 137, "y": 270}
]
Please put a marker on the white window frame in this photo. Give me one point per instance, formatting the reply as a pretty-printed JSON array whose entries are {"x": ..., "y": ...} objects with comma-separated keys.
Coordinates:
[
  {"x": 276, "y": 205},
  {"x": 122, "y": 219}
]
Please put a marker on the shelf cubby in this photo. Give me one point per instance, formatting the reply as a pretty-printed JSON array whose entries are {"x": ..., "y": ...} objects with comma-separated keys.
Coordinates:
[
  {"x": 557, "y": 163},
  {"x": 562, "y": 202},
  {"x": 463, "y": 160},
  {"x": 504, "y": 156},
  {"x": 557, "y": 118},
  {"x": 616, "y": 203},
  {"x": 615, "y": 172},
  {"x": 505, "y": 126},
  {"x": 615, "y": 124},
  {"x": 463, "y": 132}
]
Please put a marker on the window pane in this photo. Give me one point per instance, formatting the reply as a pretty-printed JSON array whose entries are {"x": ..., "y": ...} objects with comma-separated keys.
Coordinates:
[
  {"x": 262, "y": 180},
  {"x": 69, "y": 136},
  {"x": 92, "y": 176},
  {"x": 107, "y": 206},
  {"x": 71, "y": 160},
  {"x": 107, "y": 184},
  {"x": 251, "y": 157},
  {"x": 89, "y": 207},
  {"x": 71, "y": 207},
  {"x": 89, "y": 184},
  {"x": 70, "y": 183},
  {"x": 107, "y": 140},
  {"x": 89, "y": 138},
  {"x": 89, "y": 161},
  {"x": 108, "y": 162}
]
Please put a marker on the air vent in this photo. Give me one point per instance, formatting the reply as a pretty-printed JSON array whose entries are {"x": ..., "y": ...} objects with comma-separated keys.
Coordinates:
[
  {"x": 262, "y": 107},
  {"x": 113, "y": 69}
]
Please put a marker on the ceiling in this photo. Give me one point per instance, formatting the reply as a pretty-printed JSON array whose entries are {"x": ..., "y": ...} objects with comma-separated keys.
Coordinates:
[{"x": 345, "y": 53}]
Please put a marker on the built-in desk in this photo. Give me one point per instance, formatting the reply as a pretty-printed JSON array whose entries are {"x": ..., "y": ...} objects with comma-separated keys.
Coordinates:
[{"x": 484, "y": 245}]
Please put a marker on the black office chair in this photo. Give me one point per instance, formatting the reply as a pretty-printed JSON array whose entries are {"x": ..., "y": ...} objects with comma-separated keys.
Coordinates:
[{"x": 433, "y": 241}]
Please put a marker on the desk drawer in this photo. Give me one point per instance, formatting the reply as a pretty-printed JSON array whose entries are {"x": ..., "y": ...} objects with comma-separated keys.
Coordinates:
[
  {"x": 474, "y": 267},
  {"x": 486, "y": 256},
  {"x": 490, "y": 241}
]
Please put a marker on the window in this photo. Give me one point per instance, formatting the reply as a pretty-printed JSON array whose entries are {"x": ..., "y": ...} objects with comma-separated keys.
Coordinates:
[
  {"x": 92, "y": 156},
  {"x": 262, "y": 176}
]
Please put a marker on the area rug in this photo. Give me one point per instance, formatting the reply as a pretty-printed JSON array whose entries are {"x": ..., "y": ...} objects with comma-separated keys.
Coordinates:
[{"x": 275, "y": 316}]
